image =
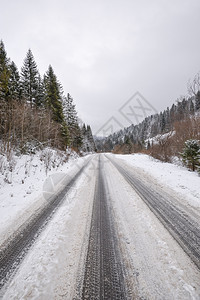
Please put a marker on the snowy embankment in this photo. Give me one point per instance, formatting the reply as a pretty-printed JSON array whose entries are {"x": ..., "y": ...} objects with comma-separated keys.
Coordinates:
[
  {"x": 23, "y": 182},
  {"x": 170, "y": 177},
  {"x": 53, "y": 266}
]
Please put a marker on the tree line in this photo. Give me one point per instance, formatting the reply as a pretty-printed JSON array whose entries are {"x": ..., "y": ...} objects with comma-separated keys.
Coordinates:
[
  {"x": 153, "y": 125},
  {"x": 163, "y": 135},
  {"x": 35, "y": 112}
]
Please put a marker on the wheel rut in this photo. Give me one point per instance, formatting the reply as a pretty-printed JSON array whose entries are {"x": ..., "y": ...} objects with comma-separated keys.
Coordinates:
[
  {"x": 181, "y": 226},
  {"x": 103, "y": 270},
  {"x": 13, "y": 253}
]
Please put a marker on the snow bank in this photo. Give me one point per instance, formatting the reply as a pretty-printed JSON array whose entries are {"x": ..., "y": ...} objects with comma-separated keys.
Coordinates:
[
  {"x": 22, "y": 186},
  {"x": 177, "y": 178}
]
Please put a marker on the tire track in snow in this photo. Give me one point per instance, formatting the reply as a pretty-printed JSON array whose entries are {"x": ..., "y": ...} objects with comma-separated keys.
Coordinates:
[
  {"x": 13, "y": 253},
  {"x": 184, "y": 230},
  {"x": 103, "y": 271}
]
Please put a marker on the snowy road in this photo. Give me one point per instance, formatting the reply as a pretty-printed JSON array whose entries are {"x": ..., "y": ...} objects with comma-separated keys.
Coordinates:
[
  {"x": 183, "y": 225},
  {"x": 157, "y": 266},
  {"x": 104, "y": 267},
  {"x": 13, "y": 252},
  {"x": 120, "y": 237}
]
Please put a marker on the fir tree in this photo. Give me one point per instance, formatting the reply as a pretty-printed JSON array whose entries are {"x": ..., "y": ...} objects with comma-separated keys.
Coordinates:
[
  {"x": 191, "y": 154},
  {"x": 15, "y": 88},
  {"x": 162, "y": 122},
  {"x": 53, "y": 101},
  {"x": 5, "y": 109},
  {"x": 4, "y": 73},
  {"x": 192, "y": 108},
  {"x": 167, "y": 119},
  {"x": 197, "y": 101},
  {"x": 53, "y": 95},
  {"x": 78, "y": 139},
  {"x": 71, "y": 119},
  {"x": 30, "y": 78},
  {"x": 40, "y": 95},
  {"x": 70, "y": 114},
  {"x": 88, "y": 141},
  {"x": 90, "y": 136}
]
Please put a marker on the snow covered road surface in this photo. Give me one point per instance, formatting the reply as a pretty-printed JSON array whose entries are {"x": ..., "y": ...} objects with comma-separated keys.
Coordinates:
[
  {"x": 169, "y": 177},
  {"x": 153, "y": 264},
  {"x": 24, "y": 194},
  {"x": 15, "y": 248},
  {"x": 157, "y": 267},
  {"x": 183, "y": 225},
  {"x": 104, "y": 276}
]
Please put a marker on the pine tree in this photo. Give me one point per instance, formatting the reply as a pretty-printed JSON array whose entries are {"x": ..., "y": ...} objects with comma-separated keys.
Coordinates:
[
  {"x": 192, "y": 108},
  {"x": 70, "y": 114},
  {"x": 4, "y": 73},
  {"x": 88, "y": 140},
  {"x": 84, "y": 129},
  {"x": 5, "y": 109},
  {"x": 197, "y": 101},
  {"x": 40, "y": 95},
  {"x": 162, "y": 122},
  {"x": 172, "y": 113},
  {"x": 53, "y": 101},
  {"x": 30, "y": 78},
  {"x": 15, "y": 88},
  {"x": 180, "y": 111},
  {"x": 78, "y": 139},
  {"x": 90, "y": 136},
  {"x": 167, "y": 120},
  {"x": 191, "y": 154},
  {"x": 53, "y": 95},
  {"x": 71, "y": 119}
]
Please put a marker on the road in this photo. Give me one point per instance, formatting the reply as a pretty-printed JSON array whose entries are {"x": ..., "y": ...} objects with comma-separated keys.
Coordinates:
[
  {"x": 137, "y": 242},
  {"x": 14, "y": 251},
  {"x": 184, "y": 227},
  {"x": 104, "y": 278}
]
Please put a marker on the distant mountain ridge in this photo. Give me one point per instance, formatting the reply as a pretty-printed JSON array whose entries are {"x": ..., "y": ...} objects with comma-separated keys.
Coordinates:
[{"x": 151, "y": 126}]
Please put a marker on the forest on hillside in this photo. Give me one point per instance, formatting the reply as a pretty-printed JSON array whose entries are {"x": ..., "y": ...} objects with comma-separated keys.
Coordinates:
[
  {"x": 162, "y": 135},
  {"x": 35, "y": 112}
]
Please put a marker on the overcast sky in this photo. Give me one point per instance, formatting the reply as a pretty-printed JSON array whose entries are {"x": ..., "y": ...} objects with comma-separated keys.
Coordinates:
[{"x": 104, "y": 51}]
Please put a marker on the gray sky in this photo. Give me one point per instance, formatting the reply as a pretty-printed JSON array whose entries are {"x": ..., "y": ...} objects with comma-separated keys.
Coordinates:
[{"x": 104, "y": 51}]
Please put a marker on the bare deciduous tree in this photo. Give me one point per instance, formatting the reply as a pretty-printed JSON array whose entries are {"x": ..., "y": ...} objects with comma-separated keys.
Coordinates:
[{"x": 194, "y": 85}]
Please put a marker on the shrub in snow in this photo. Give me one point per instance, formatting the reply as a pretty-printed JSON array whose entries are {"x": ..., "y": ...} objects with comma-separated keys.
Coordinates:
[
  {"x": 7, "y": 166},
  {"x": 191, "y": 154},
  {"x": 53, "y": 158},
  {"x": 3, "y": 164},
  {"x": 31, "y": 147}
]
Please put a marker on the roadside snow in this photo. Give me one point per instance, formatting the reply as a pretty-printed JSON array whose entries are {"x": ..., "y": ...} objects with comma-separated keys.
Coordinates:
[
  {"x": 49, "y": 270},
  {"x": 22, "y": 190},
  {"x": 183, "y": 182}
]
